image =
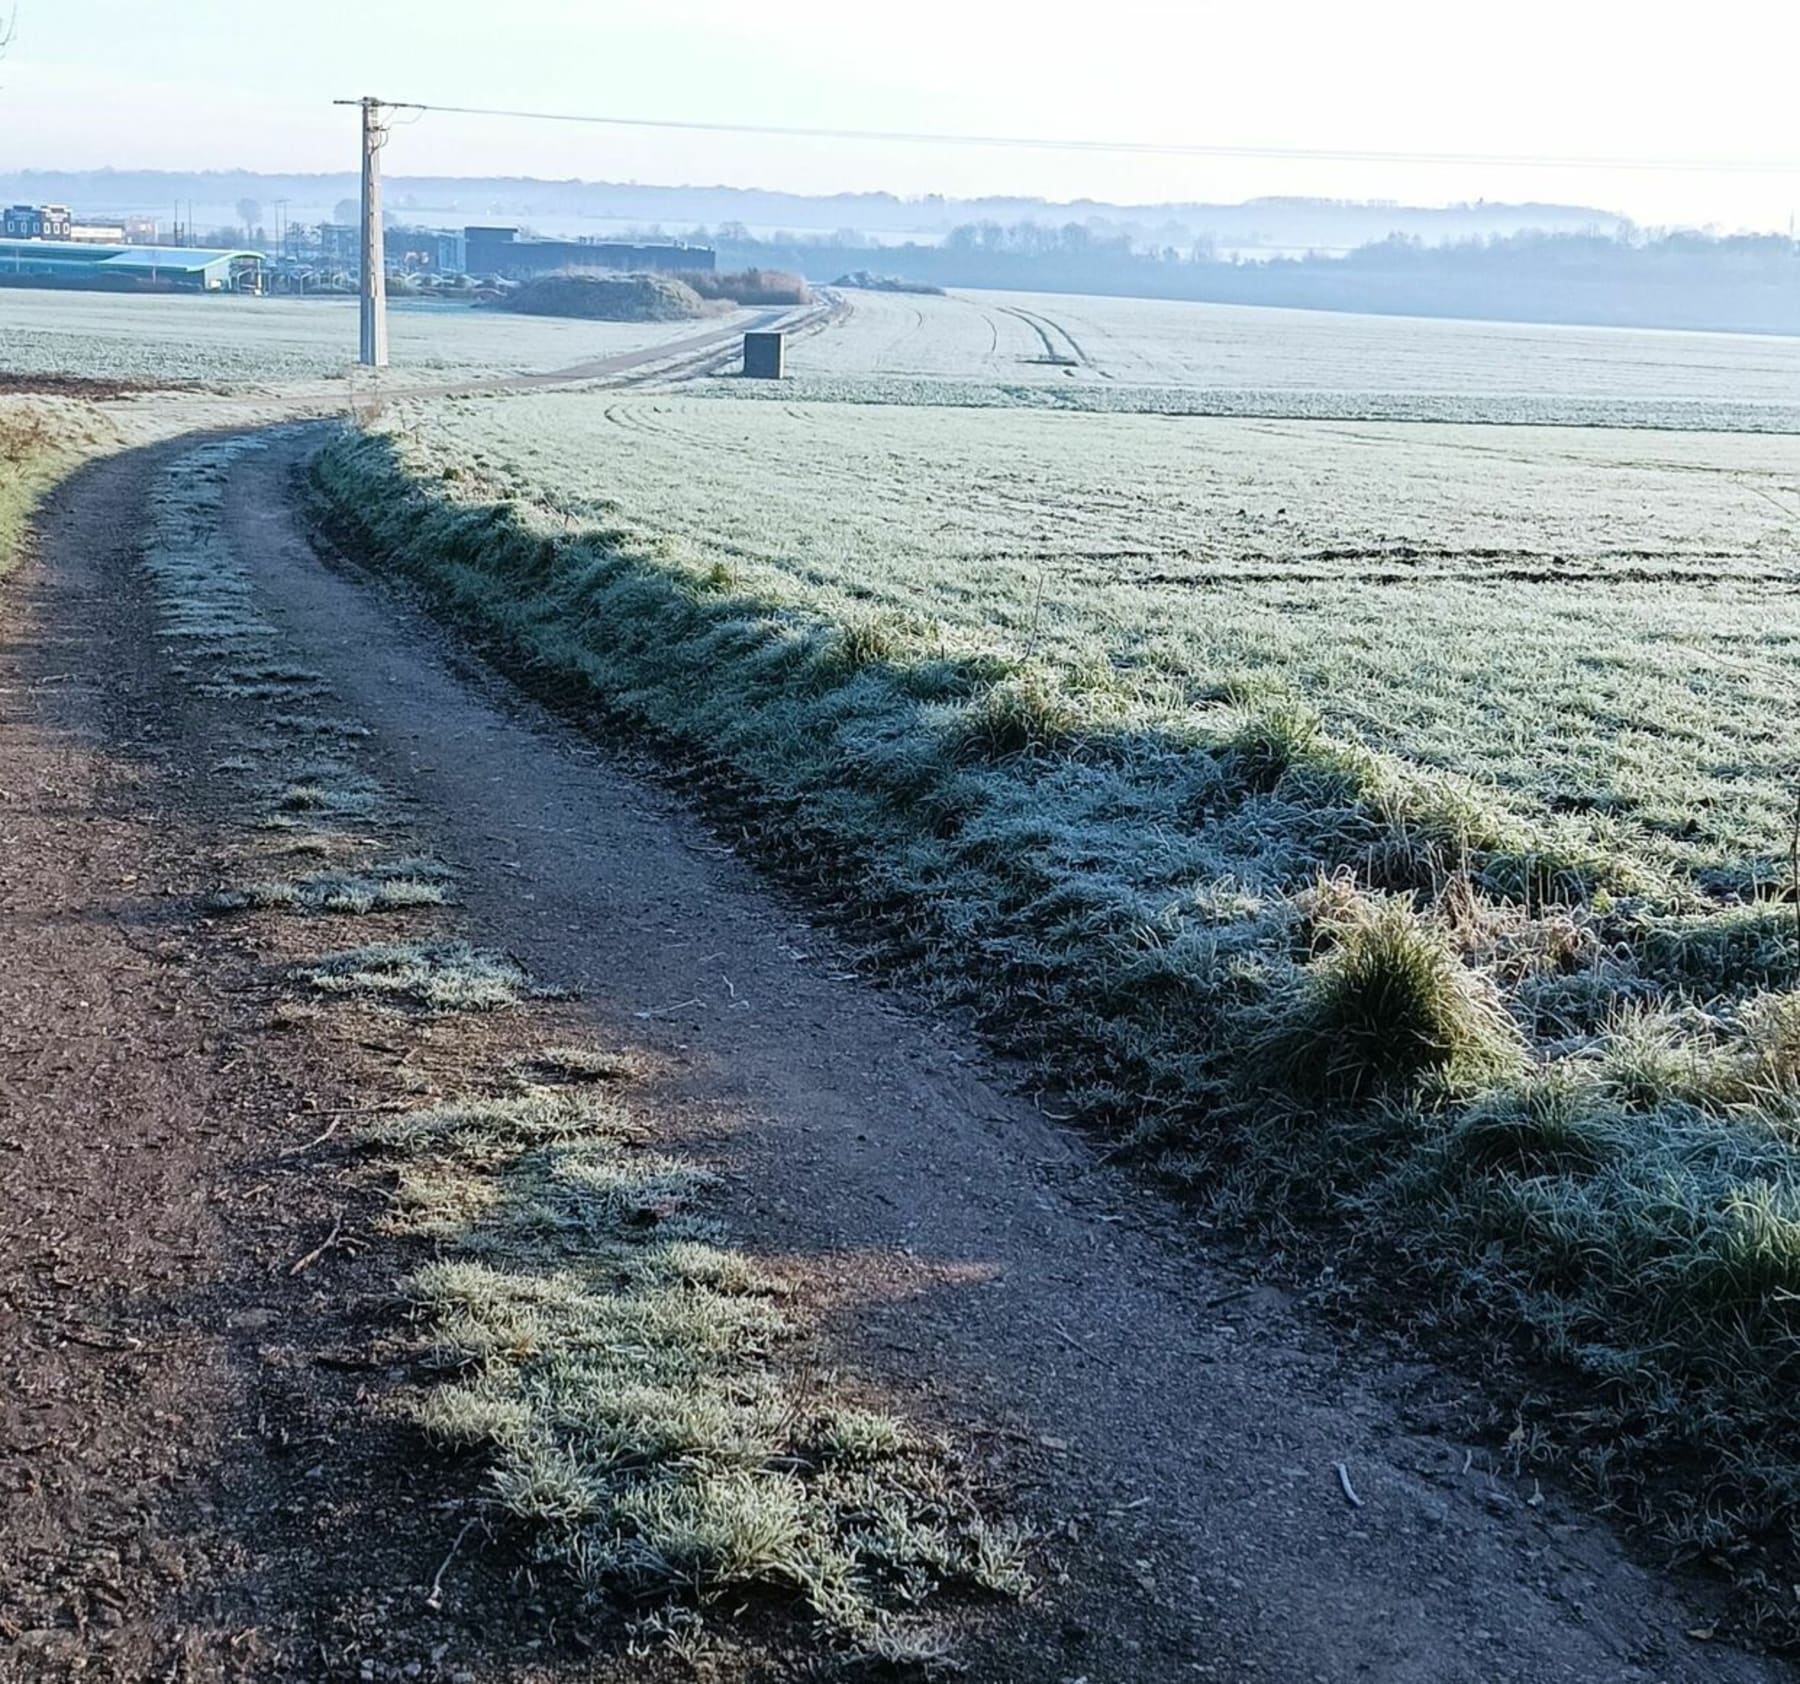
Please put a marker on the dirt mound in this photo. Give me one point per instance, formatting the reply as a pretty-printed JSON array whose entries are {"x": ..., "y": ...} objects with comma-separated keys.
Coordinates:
[{"x": 609, "y": 298}]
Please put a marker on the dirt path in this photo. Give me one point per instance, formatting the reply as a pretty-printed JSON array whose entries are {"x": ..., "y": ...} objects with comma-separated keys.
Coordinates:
[
  {"x": 99, "y": 1217},
  {"x": 147, "y": 1218},
  {"x": 1188, "y": 1433},
  {"x": 150, "y": 415},
  {"x": 173, "y": 1390}
]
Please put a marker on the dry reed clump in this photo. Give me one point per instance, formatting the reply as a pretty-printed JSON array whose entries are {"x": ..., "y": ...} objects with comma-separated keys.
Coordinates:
[
  {"x": 25, "y": 433},
  {"x": 749, "y": 287}
]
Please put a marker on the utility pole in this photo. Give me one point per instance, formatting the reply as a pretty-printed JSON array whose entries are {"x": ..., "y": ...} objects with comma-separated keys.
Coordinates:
[
  {"x": 374, "y": 352},
  {"x": 374, "y": 250}
]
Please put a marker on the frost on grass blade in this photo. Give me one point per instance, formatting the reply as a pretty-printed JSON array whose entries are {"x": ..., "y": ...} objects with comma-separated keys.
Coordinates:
[{"x": 447, "y": 976}]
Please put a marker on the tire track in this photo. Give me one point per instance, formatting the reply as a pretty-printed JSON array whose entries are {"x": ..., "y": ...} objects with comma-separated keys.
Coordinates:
[{"x": 1045, "y": 327}]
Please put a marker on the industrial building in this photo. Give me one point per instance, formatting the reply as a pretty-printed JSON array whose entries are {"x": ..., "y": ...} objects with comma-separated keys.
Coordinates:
[
  {"x": 501, "y": 251},
  {"x": 57, "y": 222},
  {"x": 63, "y": 263},
  {"x": 425, "y": 251},
  {"x": 38, "y": 222}
]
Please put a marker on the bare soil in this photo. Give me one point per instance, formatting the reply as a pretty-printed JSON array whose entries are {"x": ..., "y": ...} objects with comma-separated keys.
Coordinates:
[
  {"x": 74, "y": 386},
  {"x": 202, "y": 1474}
]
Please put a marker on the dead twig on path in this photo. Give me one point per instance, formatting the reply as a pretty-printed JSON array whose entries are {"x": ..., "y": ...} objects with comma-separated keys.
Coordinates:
[
  {"x": 434, "y": 1599},
  {"x": 1343, "y": 1474},
  {"x": 319, "y": 1250},
  {"x": 669, "y": 1011},
  {"x": 1071, "y": 1341},
  {"x": 317, "y": 1140}
]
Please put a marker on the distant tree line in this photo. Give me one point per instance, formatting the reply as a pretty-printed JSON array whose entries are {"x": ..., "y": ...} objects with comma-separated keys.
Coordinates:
[{"x": 1747, "y": 283}]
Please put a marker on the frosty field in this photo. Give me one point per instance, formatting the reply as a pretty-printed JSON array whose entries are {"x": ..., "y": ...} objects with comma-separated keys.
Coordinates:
[
  {"x": 1351, "y": 763},
  {"x": 236, "y": 342},
  {"x": 1385, "y": 818},
  {"x": 1584, "y": 620},
  {"x": 1133, "y": 355}
]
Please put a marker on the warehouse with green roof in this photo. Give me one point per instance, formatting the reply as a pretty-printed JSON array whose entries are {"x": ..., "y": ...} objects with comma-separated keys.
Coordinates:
[{"x": 69, "y": 263}]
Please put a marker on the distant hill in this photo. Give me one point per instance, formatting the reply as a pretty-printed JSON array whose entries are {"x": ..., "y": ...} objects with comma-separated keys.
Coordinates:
[{"x": 1271, "y": 226}]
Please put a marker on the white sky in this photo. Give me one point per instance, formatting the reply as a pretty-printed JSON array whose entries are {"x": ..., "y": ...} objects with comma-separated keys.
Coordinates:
[{"x": 193, "y": 84}]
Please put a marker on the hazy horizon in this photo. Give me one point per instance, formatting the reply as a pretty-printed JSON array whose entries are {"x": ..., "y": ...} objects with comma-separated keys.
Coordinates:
[{"x": 230, "y": 88}]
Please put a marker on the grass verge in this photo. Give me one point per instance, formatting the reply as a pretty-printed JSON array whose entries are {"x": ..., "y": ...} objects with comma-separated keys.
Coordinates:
[
  {"x": 41, "y": 440},
  {"x": 1547, "y": 1084}
]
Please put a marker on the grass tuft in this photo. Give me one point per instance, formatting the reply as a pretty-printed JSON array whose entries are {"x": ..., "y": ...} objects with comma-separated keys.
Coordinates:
[
  {"x": 1387, "y": 1005},
  {"x": 1267, "y": 745},
  {"x": 581, "y": 1064},
  {"x": 1552, "y": 1124},
  {"x": 1026, "y": 714},
  {"x": 391, "y": 888},
  {"x": 448, "y": 976}
]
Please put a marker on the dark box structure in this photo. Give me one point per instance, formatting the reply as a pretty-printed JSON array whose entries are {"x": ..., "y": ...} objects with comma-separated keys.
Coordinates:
[{"x": 765, "y": 355}]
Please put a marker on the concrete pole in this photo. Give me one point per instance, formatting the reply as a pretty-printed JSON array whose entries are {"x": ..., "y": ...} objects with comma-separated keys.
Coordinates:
[{"x": 374, "y": 254}]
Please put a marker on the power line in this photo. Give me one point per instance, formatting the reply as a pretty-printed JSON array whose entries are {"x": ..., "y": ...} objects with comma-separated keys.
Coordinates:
[{"x": 1172, "y": 149}]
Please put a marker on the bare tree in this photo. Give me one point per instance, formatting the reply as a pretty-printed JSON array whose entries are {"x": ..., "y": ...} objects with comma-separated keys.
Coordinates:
[{"x": 9, "y": 27}]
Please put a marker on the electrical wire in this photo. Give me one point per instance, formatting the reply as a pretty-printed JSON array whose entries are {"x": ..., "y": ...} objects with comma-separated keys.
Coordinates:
[{"x": 1173, "y": 149}]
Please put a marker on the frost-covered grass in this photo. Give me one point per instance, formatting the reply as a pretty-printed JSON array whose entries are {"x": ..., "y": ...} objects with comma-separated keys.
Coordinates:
[
  {"x": 1600, "y": 624},
  {"x": 395, "y": 887},
  {"x": 622, "y": 1367},
  {"x": 1098, "y": 397},
  {"x": 1369, "y": 822},
  {"x": 1144, "y": 354},
  {"x": 442, "y": 976},
  {"x": 237, "y": 342},
  {"x": 41, "y": 439}
]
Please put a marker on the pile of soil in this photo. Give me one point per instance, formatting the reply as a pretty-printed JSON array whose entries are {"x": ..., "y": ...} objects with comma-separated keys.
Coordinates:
[{"x": 609, "y": 298}]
